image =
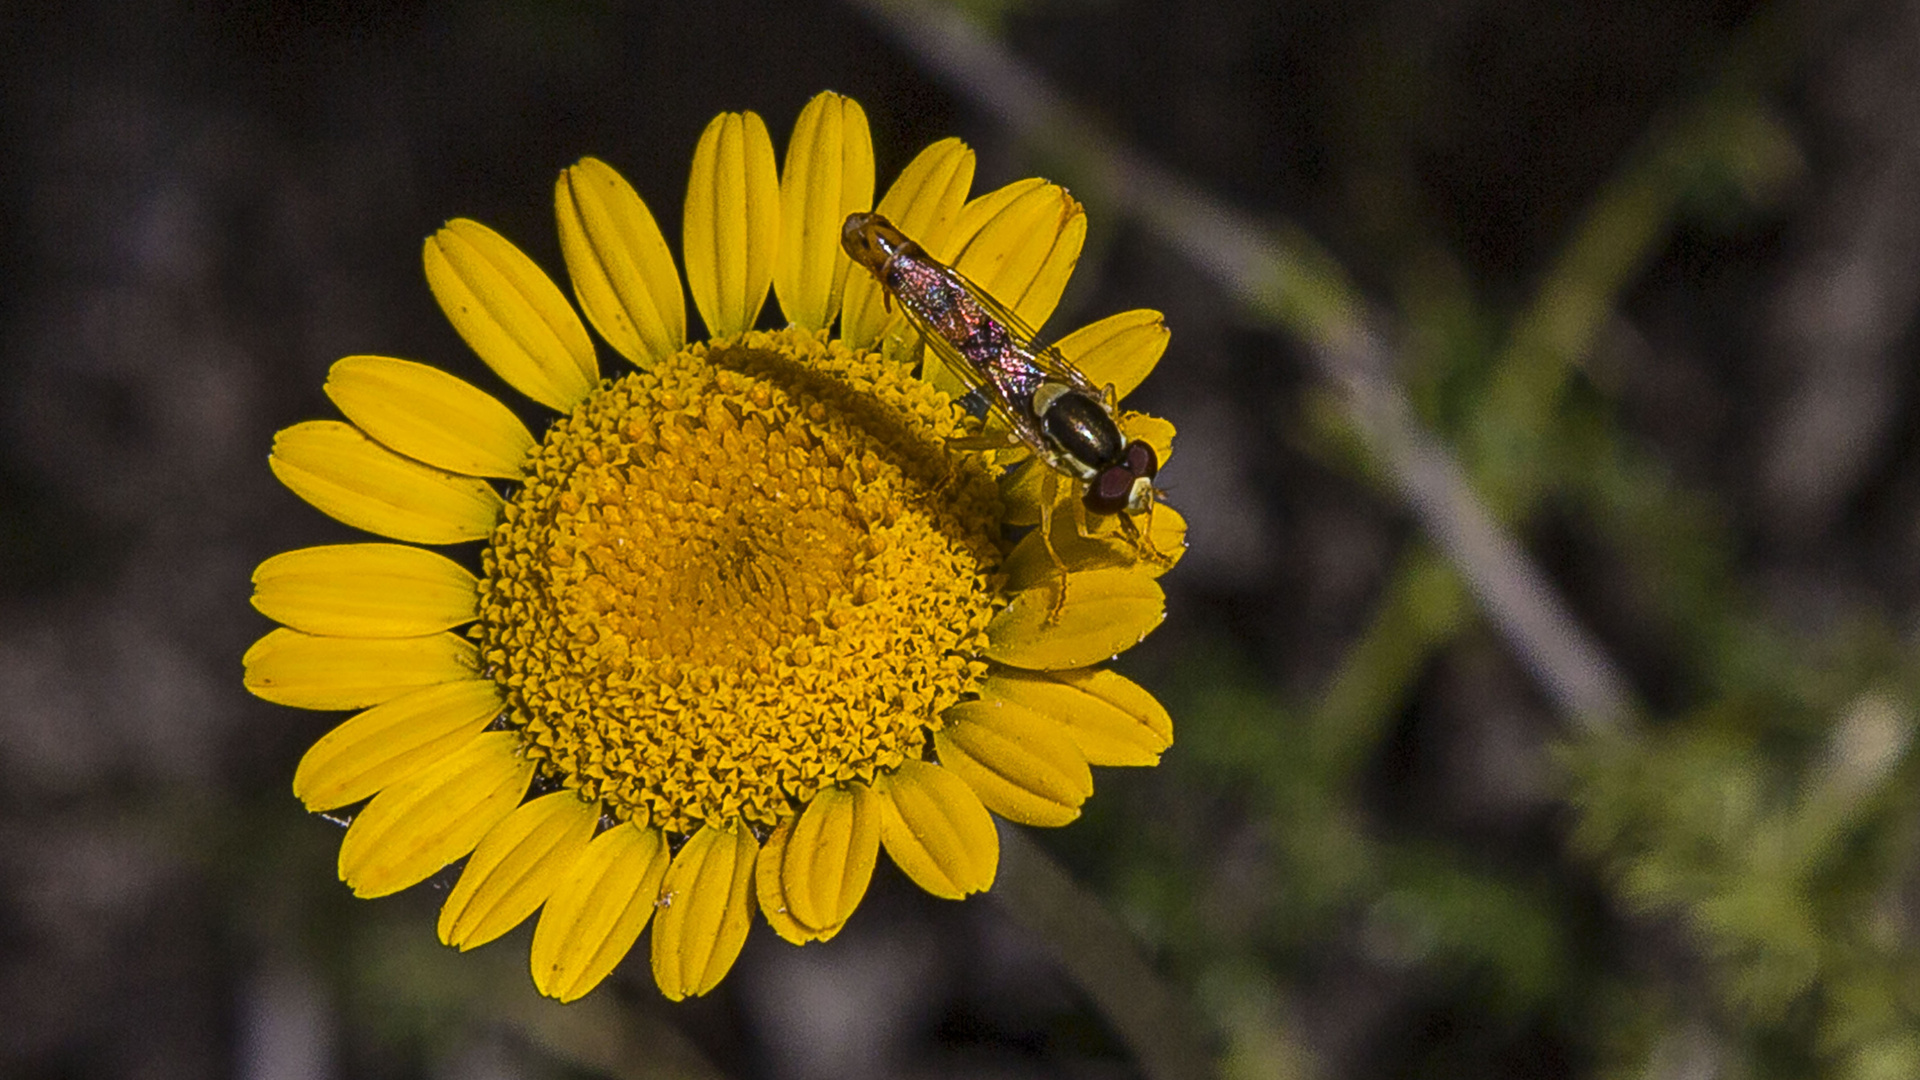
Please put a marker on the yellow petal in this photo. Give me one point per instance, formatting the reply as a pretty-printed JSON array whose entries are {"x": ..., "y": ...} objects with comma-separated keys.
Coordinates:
[
  {"x": 512, "y": 314},
  {"x": 828, "y": 175},
  {"x": 1025, "y": 252},
  {"x": 430, "y": 416},
  {"x": 623, "y": 274},
  {"x": 516, "y": 867},
  {"x": 394, "y": 740},
  {"x": 732, "y": 223},
  {"x": 412, "y": 829},
  {"x": 1111, "y": 721},
  {"x": 598, "y": 910},
  {"x": 1106, "y": 612},
  {"x": 366, "y": 590},
  {"x": 966, "y": 224},
  {"x": 309, "y": 672},
  {"x": 1029, "y": 565},
  {"x": 704, "y": 911},
  {"x": 830, "y": 858},
  {"x": 356, "y": 480},
  {"x": 927, "y": 196},
  {"x": 936, "y": 830},
  {"x": 1119, "y": 350},
  {"x": 1020, "y": 762},
  {"x": 772, "y": 892},
  {"x": 921, "y": 203}
]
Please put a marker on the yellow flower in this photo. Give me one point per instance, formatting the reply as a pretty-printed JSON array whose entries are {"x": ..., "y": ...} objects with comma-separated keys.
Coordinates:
[{"x": 744, "y": 617}]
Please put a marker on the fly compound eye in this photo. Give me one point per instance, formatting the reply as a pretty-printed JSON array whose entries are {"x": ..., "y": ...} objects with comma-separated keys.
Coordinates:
[
  {"x": 1125, "y": 485},
  {"x": 1141, "y": 460},
  {"x": 1110, "y": 491}
]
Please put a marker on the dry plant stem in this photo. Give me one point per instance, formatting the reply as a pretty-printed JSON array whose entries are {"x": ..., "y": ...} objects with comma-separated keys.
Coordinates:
[
  {"x": 1622, "y": 228},
  {"x": 1572, "y": 667},
  {"x": 1103, "y": 958}
]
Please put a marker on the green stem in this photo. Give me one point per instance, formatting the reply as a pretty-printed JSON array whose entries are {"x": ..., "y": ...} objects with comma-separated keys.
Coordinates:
[{"x": 1104, "y": 959}]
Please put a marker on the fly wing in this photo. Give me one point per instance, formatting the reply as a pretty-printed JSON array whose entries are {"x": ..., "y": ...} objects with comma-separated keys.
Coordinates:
[
  {"x": 1046, "y": 359},
  {"x": 965, "y": 328},
  {"x": 990, "y": 384}
]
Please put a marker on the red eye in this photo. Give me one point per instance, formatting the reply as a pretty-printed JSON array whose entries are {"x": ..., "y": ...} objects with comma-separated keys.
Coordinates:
[
  {"x": 1110, "y": 490},
  {"x": 1141, "y": 460}
]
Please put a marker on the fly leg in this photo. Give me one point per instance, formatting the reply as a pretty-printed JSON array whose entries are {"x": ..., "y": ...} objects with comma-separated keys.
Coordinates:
[
  {"x": 1142, "y": 538},
  {"x": 1139, "y": 536},
  {"x": 985, "y": 440},
  {"x": 964, "y": 444},
  {"x": 1049, "y": 493}
]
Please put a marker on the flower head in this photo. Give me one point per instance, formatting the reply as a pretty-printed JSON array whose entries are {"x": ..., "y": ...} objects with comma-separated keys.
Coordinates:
[{"x": 745, "y": 614}]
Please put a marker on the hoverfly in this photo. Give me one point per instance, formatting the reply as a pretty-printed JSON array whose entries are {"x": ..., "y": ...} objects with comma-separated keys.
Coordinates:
[{"x": 1047, "y": 404}]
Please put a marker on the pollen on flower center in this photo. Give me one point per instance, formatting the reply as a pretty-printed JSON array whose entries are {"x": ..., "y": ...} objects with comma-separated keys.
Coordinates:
[{"x": 747, "y": 573}]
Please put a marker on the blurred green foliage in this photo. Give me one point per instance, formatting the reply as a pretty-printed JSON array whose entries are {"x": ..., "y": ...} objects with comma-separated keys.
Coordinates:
[{"x": 1731, "y": 887}]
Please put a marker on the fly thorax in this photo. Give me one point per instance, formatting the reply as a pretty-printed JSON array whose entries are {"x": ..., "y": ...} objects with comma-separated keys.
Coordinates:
[{"x": 1079, "y": 427}]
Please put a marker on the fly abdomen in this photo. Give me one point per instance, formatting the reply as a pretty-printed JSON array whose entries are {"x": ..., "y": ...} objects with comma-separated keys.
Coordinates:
[{"x": 1079, "y": 427}]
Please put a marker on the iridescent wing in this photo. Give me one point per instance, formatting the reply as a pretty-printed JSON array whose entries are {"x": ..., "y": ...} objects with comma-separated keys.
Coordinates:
[
  {"x": 1021, "y": 423},
  {"x": 1003, "y": 374},
  {"x": 1046, "y": 359}
]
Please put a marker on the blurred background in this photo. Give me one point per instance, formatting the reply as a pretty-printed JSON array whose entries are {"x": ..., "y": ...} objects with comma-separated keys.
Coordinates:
[{"x": 1543, "y": 668}]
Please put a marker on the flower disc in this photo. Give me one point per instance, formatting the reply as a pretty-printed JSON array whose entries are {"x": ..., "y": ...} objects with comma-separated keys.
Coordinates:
[{"x": 746, "y": 573}]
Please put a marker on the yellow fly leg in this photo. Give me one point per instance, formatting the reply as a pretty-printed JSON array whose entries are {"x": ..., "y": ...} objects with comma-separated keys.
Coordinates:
[
  {"x": 1049, "y": 492},
  {"x": 983, "y": 441},
  {"x": 1083, "y": 524},
  {"x": 1142, "y": 538}
]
